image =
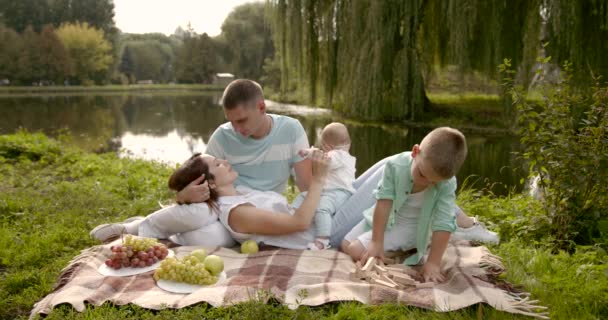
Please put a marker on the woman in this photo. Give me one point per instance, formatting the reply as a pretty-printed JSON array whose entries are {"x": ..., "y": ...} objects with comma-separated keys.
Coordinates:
[{"x": 243, "y": 213}]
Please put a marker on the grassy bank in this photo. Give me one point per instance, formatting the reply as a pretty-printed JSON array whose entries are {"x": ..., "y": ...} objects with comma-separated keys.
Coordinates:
[
  {"x": 52, "y": 194},
  {"x": 470, "y": 111}
]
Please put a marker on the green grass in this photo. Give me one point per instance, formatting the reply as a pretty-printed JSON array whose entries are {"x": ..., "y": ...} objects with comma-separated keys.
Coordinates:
[{"x": 52, "y": 194}]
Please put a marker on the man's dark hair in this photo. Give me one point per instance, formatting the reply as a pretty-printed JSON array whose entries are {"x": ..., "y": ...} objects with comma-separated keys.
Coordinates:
[{"x": 241, "y": 91}]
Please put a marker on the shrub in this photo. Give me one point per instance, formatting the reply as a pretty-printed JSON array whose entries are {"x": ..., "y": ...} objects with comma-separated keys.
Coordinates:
[
  {"x": 565, "y": 141},
  {"x": 32, "y": 147}
]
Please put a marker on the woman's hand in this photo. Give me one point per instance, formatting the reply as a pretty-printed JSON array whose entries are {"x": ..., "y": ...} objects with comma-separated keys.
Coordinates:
[
  {"x": 194, "y": 192},
  {"x": 320, "y": 164}
]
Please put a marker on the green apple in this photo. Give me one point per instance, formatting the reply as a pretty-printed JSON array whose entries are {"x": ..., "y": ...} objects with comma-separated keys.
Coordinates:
[
  {"x": 249, "y": 247},
  {"x": 200, "y": 254},
  {"x": 214, "y": 264}
]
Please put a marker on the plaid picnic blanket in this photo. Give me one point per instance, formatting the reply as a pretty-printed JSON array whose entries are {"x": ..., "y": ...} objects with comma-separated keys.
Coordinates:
[{"x": 293, "y": 277}]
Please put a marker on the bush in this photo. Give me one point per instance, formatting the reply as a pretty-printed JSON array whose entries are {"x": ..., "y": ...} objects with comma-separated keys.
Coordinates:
[
  {"x": 32, "y": 147},
  {"x": 565, "y": 138}
]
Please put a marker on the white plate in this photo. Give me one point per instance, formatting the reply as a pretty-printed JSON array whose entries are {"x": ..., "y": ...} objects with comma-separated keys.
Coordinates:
[
  {"x": 180, "y": 287},
  {"x": 125, "y": 272}
]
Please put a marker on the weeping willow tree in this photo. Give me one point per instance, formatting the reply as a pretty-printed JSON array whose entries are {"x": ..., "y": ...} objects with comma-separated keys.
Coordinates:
[{"x": 366, "y": 58}]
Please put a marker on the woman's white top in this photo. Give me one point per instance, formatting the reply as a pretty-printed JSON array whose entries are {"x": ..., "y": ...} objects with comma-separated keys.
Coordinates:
[{"x": 267, "y": 200}]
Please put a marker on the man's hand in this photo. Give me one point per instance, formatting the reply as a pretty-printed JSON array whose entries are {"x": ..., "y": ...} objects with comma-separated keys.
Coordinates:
[
  {"x": 375, "y": 250},
  {"x": 432, "y": 273},
  {"x": 194, "y": 192}
]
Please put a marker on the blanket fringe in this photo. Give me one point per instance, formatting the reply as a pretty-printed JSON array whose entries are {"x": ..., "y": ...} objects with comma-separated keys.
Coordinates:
[
  {"x": 519, "y": 301},
  {"x": 523, "y": 305},
  {"x": 491, "y": 263},
  {"x": 74, "y": 265}
]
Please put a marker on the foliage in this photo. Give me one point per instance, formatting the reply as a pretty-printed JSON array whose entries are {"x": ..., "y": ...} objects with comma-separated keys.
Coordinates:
[
  {"x": 48, "y": 205},
  {"x": 516, "y": 217},
  {"x": 28, "y": 147},
  {"x": 18, "y": 15},
  {"x": 9, "y": 54},
  {"x": 150, "y": 56},
  {"x": 127, "y": 63},
  {"x": 90, "y": 52},
  {"x": 365, "y": 58},
  {"x": 54, "y": 59},
  {"x": 565, "y": 138},
  {"x": 32, "y": 57},
  {"x": 198, "y": 59},
  {"x": 577, "y": 32},
  {"x": 247, "y": 41}
]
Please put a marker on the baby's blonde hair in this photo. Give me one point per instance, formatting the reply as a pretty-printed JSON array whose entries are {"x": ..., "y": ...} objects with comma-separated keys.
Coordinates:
[
  {"x": 445, "y": 149},
  {"x": 335, "y": 134}
]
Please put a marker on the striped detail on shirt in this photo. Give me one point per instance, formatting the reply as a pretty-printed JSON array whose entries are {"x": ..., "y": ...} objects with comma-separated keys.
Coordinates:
[{"x": 263, "y": 164}]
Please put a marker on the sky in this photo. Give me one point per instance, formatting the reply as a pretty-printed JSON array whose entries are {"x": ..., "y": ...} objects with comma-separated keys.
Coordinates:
[{"x": 164, "y": 16}]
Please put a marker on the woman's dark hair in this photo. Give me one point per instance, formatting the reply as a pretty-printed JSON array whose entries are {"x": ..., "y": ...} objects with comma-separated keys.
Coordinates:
[{"x": 189, "y": 171}]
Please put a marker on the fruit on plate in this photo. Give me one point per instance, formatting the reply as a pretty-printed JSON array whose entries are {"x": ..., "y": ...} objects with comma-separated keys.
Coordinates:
[
  {"x": 214, "y": 264},
  {"x": 200, "y": 254},
  {"x": 136, "y": 252},
  {"x": 188, "y": 270}
]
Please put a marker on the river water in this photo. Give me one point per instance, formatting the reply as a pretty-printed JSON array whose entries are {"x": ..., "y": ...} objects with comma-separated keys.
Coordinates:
[{"x": 169, "y": 126}]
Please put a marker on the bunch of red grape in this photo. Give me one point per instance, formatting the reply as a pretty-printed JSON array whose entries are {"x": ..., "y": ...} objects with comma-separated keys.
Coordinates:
[{"x": 136, "y": 253}]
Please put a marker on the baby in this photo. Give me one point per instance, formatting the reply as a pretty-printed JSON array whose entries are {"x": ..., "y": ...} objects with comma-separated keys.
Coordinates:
[{"x": 335, "y": 141}]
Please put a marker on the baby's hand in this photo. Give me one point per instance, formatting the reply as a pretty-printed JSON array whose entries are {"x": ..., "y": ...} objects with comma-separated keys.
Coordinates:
[
  {"x": 320, "y": 163},
  {"x": 305, "y": 153},
  {"x": 432, "y": 273}
]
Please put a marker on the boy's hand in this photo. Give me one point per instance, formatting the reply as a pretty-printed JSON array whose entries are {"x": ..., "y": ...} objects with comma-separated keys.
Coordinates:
[
  {"x": 432, "y": 273},
  {"x": 375, "y": 250},
  {"x": 194, "y": 192}
]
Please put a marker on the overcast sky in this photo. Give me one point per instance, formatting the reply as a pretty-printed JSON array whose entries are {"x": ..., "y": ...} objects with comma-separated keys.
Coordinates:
[{"x": 164, "y": 16}]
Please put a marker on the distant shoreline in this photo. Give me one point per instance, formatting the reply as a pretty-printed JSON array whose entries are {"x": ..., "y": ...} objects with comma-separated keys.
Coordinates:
[{"x": 19, "y": 90}]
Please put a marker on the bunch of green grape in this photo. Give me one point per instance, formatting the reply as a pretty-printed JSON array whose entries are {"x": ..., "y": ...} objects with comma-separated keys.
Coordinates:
[
  {"x": 188, "y": 270},
  {"x": 139, "y": 243}
]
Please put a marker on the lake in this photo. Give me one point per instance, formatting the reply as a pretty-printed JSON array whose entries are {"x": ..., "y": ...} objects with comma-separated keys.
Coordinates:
[{"x": 170, "y": 126}]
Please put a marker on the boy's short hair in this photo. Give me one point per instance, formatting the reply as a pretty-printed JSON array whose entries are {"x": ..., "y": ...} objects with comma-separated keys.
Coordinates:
[
  {"x": 241, "y": 91},
  {"x": 445, "y": 149}
]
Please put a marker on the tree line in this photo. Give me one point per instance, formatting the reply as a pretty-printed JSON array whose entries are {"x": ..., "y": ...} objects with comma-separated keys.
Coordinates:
[
  {"x": 76, "y": 42},
  {"x": 368, "y": 59}
]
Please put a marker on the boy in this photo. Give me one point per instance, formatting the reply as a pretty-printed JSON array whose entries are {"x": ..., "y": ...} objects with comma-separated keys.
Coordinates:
[
  {"x": 335, "y": 141},
  {"x": 416, "y": 194}
]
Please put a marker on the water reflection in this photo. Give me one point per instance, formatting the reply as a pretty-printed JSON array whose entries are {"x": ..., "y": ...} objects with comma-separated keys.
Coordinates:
[{"x": 169, "y": 128}]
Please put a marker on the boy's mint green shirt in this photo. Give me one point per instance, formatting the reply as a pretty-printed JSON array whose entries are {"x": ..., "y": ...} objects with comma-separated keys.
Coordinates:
[{"x": 437, "y": 212}]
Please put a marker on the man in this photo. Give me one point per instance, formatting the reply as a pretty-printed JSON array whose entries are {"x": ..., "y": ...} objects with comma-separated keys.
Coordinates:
[{"x": 261, "y": 147}]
